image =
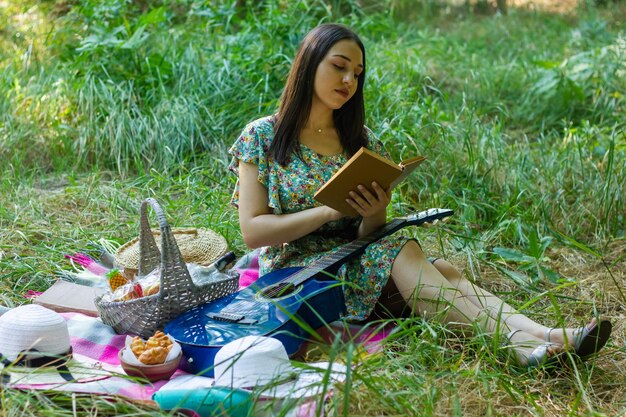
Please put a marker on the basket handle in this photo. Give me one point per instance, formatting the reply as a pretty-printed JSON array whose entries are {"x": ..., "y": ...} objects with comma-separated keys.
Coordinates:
[{"x": 169, "y": 258}]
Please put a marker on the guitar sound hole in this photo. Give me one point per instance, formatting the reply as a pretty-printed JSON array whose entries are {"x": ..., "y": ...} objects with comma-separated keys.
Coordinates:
[{"x": 278, "y": 290}]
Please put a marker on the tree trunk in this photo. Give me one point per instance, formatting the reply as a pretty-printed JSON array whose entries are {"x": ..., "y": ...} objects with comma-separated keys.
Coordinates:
[{"x": 501, "y": 4}]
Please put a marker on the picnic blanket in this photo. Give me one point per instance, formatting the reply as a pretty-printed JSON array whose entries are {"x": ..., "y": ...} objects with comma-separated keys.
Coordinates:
[{"x": 92, "y": 339}]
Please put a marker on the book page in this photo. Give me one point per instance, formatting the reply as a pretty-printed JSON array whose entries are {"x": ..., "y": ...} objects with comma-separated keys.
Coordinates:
[{"x": 408, "y": 166}]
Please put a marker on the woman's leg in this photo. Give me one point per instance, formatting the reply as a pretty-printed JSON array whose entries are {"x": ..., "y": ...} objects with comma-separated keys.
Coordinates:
[
  {"x": 494, "y": 306},
  {"x": 499, "y": 309},
  {"x": 427, "y": 291}
]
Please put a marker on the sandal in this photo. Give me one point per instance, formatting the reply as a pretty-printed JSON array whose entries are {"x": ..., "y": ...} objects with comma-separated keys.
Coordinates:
[
  {"x": 539, "y": 357},
  {"x": 588, "y": 340}
]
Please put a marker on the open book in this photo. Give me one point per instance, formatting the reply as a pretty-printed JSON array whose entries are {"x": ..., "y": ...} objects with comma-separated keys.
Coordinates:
[{"x": 363, "y": 168}]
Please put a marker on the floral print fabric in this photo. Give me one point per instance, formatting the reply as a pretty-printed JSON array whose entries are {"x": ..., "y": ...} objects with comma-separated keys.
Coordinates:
[{"x": 290, "y": 189}]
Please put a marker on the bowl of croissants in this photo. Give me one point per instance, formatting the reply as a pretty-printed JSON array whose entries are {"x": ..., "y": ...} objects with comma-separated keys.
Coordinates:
[{"x": 154, "y": 359}]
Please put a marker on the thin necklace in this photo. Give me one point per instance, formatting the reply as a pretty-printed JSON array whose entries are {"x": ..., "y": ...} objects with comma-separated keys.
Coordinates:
[{"x": 320, "y": 129}]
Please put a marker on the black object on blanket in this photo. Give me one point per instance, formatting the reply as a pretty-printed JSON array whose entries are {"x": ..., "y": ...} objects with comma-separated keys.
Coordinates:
[{"x": 58, "y": 362}]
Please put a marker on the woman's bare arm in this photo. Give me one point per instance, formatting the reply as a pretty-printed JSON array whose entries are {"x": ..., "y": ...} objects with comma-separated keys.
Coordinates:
[{"x": 260, "y": 227}]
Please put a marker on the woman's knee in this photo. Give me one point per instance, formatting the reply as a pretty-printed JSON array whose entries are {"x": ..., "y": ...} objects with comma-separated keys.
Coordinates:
[
  {"x": 412, "y": 249},
  {"x": 412, "y": 271},
  {"x": 449, "y": 271}
]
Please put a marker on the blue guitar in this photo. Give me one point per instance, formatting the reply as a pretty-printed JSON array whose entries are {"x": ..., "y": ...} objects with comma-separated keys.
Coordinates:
[{"x": 287, "y": 304}]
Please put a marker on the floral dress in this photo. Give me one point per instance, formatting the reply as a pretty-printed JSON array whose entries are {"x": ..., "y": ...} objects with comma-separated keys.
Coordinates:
[{"x": 290, "y": 189}]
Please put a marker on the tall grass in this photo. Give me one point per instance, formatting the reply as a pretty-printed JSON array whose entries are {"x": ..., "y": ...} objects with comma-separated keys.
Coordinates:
[{"x": 140, "y": 88}]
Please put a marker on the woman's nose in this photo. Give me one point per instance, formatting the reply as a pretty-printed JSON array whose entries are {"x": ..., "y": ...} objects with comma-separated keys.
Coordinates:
[{"x": 348, "y": 78}]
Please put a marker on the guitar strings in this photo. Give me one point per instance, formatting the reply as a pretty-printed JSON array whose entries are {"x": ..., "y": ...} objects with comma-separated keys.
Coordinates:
[
  {"x": 304, "y": 274},
  {"x": 325, "y": 261}
]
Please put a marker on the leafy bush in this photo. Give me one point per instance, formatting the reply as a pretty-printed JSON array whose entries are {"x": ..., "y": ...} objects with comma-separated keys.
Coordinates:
[{"x": 589, "y": 85}]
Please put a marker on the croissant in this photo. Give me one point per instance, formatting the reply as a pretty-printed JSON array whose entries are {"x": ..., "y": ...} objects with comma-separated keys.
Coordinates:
[
  {"x": 152, "y": 343},
  {"x": 153, "y": 356},
  {"x": 159, "y": 334},
  {"x": 151, "y": 289},
  {"x": 137, "y": 346},
  {"x": 162, "y": 339}
]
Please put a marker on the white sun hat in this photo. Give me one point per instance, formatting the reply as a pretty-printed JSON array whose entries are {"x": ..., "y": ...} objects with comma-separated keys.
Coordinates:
[
  {"x": 35, "y": 349},
  {"x": 33, "y": 331},
  {"x": 261, "y": 364}
]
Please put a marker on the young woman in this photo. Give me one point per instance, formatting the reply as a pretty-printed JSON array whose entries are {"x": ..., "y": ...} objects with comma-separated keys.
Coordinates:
[{"x": 281, "y": 160}]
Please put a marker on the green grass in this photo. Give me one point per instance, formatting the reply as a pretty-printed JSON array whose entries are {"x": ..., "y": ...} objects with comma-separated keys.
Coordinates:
[{"x": 105, "y": 103}]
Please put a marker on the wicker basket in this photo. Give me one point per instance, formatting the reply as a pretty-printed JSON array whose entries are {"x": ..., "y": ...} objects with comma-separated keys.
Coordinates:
[{"x": 177, "y": 294}]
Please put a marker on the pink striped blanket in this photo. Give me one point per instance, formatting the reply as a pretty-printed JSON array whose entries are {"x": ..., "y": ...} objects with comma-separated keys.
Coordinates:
[{"x": 93, "y": 339}]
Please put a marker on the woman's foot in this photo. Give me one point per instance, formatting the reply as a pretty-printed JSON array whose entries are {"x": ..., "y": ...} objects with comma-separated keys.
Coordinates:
[
  {"x": 585, "y": 341},
  {"x": 532, "y": 352}
]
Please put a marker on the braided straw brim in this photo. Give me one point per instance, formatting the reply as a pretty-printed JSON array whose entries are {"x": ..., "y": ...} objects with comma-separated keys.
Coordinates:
[{"x": 199, "y": 246}]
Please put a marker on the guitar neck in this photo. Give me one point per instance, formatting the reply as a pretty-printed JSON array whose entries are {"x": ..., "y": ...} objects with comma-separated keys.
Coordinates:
[{"x": 347, "y": 251}]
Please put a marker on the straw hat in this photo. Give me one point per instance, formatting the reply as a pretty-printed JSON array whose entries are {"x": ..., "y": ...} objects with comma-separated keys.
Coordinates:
[
  {"x": 261, "y": 363},
  {"x": 35, "y": 349},
  {"x": 200, "y": 246}
]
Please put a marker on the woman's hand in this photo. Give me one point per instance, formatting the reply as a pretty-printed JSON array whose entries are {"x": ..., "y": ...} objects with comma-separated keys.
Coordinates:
[{"x": 369, "y": 204}]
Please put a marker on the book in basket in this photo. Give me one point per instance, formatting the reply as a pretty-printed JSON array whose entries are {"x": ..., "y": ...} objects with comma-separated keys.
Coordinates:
[{"x": 363, "y": 168}]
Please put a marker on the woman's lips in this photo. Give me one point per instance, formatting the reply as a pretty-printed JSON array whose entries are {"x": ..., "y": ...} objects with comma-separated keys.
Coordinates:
[{"x": 343, "y": 93}]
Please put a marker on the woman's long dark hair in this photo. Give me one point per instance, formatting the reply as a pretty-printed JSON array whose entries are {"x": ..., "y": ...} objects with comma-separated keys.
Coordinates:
[{"x": 297, "y": 96}]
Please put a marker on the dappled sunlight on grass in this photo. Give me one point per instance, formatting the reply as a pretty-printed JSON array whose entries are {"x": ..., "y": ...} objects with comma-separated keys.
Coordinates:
[
  {"x": 558, "y": 6},
  {"x": 23, "y": 30}
]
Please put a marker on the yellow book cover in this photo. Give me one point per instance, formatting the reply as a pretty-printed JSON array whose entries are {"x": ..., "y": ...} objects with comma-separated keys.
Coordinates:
[{"x": 363, "y": 168}]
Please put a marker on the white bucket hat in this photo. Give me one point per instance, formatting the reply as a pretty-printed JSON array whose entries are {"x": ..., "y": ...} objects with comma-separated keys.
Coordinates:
[
  {"x": 261, "y": 363},
  {"x": 35, "y": 349},
  {"x": 32, "y": 331}
]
